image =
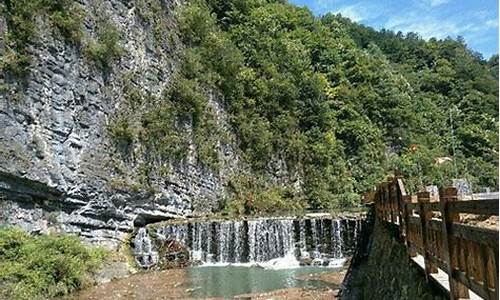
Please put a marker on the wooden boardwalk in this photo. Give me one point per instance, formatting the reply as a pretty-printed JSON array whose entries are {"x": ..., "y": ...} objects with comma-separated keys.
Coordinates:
[
  {"x": 441, "y": 277},
  {"x": 463, "y": 258}
]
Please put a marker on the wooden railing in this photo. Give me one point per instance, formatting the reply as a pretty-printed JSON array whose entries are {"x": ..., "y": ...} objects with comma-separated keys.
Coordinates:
[{"x": 430, "y": 226}]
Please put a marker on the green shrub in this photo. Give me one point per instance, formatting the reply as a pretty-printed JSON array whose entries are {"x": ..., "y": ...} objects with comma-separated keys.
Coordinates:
[
  {"x": 15, "y": 63},
  {"x": 206, "y": 137},
  {"x": 106, "y": 48},
  {"x": 162, "y": 135},
  {"x": 44, "y": 266},
  {"x": 69, "y": 25},
  {"x": 152, "y": 12},
  {"x": 4, "y": 88},
  {"x": 277, "y": 199},
  {"x": 251, "y": 194},
  {"x": 188, "y": 98},
  {"x": 64, "y": 15},
  {"x": 134, "y": 96},
  {"x": 195, "y": 22},
  {"x": 121, "y": 131}
]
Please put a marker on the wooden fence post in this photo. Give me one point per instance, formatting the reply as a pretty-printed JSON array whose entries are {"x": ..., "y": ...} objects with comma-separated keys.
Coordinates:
[
  {"x": 387, "y": 206},
  {"x": 400, "y": 207},
  {"x": 387, "y": 197},
  {"x": 457, "y": 289},
  {"x": 393, "y": 197},
  {"x": 425, "y": 215},
  {"x": 408, "y": 232}
]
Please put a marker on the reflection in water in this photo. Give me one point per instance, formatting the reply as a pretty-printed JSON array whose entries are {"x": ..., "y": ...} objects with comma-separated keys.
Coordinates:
[{"x": 229, "y": 281}]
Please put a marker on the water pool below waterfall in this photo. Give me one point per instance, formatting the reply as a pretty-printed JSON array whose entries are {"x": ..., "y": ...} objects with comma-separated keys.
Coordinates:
[
  {"x": 255, "y": 258},
  {"x": 221, "y": 282},
  {"x": 229, "y": 281}
]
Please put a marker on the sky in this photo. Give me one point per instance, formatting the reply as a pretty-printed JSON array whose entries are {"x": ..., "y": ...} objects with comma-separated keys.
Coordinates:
[{"x": 475, "y": 20}]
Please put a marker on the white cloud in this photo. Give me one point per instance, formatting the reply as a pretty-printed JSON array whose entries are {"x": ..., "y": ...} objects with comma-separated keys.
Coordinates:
[
  {"x": 360, "y": 11},
  {"x": 431, "y": 26},
  {"x": 492, "y": 23},
  {"x": 352, "y": 12},
  {"x": 434, "y": 3}
]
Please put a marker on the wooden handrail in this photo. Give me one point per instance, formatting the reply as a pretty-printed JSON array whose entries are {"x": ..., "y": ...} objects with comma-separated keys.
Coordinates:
[
  {"x": 467, "y": 253},
  {"x": 487, "y": 207}
]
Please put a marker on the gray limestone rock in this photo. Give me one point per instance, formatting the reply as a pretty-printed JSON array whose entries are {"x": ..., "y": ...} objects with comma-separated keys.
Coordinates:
[
  {"x": 463, "y": 187},
  {"x": 59, "y": 168}
]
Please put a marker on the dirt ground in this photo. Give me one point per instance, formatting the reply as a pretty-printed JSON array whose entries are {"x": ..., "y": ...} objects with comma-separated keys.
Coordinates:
[
  {"x": 292, "y": 293},
  {"x": 143, "y": 286},
  {"x": 481, "y": 221}
]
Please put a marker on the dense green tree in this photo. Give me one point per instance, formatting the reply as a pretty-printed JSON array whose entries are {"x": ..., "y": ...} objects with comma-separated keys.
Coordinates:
[{"x": 342, "y": 103}]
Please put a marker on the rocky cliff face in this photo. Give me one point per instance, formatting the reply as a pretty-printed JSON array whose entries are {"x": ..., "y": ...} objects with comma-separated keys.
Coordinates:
[{"x": 60, "y": 169}]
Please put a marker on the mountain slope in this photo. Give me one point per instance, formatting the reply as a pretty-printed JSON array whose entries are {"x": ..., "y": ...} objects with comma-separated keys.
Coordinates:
[{"x": 342, "y": 104}]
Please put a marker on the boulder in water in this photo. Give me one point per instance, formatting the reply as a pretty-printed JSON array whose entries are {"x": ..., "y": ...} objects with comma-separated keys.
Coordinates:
[
  {"x": 306, "y": 261},
  {"x": 173, "y": 254},
  {"x": 317, "y": 262}
]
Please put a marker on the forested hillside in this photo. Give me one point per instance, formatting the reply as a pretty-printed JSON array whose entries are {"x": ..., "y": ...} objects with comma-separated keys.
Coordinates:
[
  {"x": 341, "y": 103},
  {"x": 320, "y": 109}
]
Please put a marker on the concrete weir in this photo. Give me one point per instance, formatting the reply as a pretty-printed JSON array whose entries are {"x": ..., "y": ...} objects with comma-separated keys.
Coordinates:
[{"x": 313, "y": 239}]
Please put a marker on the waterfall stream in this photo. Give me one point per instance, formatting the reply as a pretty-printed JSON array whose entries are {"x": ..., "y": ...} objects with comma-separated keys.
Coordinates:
[{"x": 286, "y": 242}]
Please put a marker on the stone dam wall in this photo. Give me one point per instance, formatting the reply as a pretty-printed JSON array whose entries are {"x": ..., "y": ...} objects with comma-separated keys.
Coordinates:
[{"x": 381, "y": 269}]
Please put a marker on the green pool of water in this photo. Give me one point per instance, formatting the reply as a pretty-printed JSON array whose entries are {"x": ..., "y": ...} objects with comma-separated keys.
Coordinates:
[{"x": 229, "y": 281}]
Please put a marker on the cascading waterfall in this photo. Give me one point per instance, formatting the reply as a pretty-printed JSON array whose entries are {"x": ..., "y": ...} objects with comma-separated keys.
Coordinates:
[
  {"x": 269, "y": 238},
  {"x": 143, "y": 250},
  {"x": 336, "y": 238},
  {"x": 319, "y": 241}
]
